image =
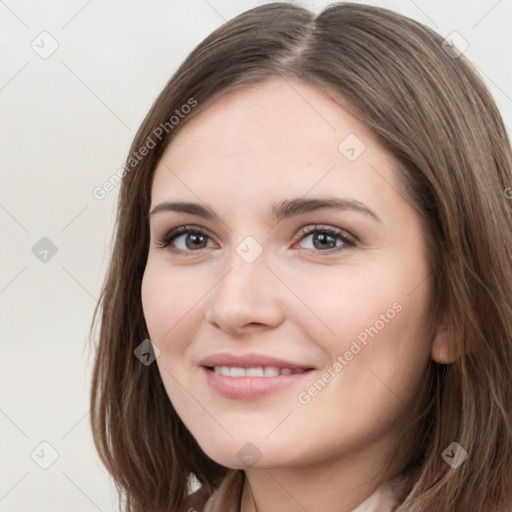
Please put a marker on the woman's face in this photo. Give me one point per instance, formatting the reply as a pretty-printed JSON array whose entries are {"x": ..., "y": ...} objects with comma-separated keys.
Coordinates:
[{"x": 292, "y": 338}]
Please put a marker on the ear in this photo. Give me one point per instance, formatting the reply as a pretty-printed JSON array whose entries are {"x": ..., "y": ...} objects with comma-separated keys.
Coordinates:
[{"x": 443, "y": 351}]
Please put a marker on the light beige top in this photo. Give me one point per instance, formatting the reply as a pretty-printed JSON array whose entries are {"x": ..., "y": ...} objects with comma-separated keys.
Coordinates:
[{"x": 228, "y": 495}]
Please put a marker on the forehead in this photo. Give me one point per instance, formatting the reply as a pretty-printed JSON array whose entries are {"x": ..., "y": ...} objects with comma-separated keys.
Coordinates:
[
  {"x": 269, "y": 138},
  {"x": 283, "y": 115}
]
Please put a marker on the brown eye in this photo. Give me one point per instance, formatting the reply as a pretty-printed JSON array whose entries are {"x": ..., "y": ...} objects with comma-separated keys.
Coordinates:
[
  {"x": 326, "y": 239},
  {"x": 184, "y": 239}
]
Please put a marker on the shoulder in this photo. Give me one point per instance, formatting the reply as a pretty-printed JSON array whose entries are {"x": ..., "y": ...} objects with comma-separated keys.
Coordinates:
[{"x": 226, "y": 498}]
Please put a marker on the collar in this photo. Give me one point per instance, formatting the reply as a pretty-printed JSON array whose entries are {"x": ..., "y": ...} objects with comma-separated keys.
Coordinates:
[{"x": 227, "y": 497}]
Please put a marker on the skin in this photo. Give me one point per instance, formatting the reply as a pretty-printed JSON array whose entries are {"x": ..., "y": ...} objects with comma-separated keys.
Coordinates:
[{"x": 249, "y": 149}]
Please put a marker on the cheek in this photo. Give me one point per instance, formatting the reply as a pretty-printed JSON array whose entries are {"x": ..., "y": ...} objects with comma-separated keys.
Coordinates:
[
  {"x": 165, "y": 302},
  {"x": 154, "y": 302},
  {"x": 379, "y": 352},
  {"x": 360, "y": 396},
  {"x": 169, "y": 317},
  {"x": 173, "y": 304},
  {"x": 344, "y": 303},
  {"x": 378, "y": 322}
]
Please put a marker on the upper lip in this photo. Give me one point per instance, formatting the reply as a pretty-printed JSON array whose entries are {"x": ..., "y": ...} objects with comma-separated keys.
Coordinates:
[{"x": 250, "y": 361}]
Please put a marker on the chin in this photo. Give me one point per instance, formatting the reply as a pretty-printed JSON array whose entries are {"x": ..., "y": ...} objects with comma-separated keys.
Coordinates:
[{"x": 247, "y": 452}]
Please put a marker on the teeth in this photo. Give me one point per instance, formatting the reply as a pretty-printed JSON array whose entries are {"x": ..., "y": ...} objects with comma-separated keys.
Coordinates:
[
  {"x": 237, "y": 372},
  {"x": 267, "y": 371},
  {"x": 271, "y": 371},
  {"x": 223, "y": 370},
  {"x": 254, "y": 372}
]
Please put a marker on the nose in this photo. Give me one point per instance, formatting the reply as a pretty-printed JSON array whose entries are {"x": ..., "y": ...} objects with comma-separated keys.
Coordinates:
[{"x": 247, "y": 297}]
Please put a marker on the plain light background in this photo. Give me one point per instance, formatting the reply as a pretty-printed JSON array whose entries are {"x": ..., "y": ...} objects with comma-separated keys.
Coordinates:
[{"x": 67, "y": 122}]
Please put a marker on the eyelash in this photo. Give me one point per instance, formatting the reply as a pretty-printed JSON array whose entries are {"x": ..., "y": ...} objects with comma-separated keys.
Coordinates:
[{"x": 342, "y": 235}]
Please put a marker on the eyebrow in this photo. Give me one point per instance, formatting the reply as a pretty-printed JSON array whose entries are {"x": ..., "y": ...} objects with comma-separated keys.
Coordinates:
[{"x": 282, "y": 210}]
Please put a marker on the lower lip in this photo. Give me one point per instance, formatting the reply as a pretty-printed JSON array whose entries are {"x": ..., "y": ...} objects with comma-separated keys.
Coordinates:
[{"x": 250, "y": 387}]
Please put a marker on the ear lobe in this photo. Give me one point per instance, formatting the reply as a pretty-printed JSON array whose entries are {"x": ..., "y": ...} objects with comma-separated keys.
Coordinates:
[{"x": 443, "y": 351}]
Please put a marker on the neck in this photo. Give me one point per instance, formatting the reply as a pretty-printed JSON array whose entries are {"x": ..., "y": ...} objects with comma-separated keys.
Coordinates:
[{"x": 340, "y": 484}]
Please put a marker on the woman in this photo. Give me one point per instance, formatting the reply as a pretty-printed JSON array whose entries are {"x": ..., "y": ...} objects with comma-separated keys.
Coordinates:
[{"x": 314, "y": 232}]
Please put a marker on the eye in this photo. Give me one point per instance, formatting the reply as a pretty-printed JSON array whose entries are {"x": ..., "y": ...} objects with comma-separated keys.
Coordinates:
[
  {"x": 324, "y": 239},
  {"x": 192, "y": 238}
]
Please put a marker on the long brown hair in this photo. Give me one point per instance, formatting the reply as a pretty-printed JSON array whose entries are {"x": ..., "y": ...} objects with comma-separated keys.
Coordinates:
[{"x": 434, "y": 115}]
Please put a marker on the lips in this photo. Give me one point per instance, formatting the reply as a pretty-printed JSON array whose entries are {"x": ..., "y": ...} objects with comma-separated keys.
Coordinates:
[{"x": 251, "y": 376}]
